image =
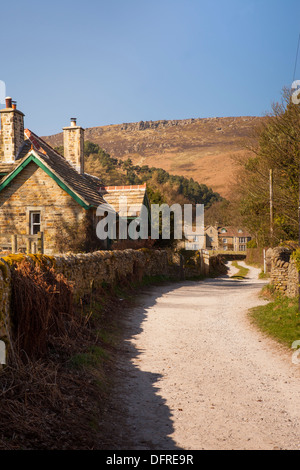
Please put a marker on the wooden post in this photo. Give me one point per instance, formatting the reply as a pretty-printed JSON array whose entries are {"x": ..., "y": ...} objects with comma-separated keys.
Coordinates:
[
  {"x": 299, "y": 235},
  {"x": 14, "y": 244},
  {"x": 181, "y": 268},
  {"x": 28, "y": 246},
  {"x": 40, "y": 242},
  {"x": 271, "y": 206}
]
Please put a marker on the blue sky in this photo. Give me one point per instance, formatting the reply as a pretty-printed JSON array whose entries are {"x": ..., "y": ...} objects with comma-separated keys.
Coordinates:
[{"x": 108, "y": 62}]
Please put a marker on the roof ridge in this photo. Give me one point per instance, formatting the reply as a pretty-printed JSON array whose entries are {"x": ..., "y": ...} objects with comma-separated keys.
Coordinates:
[
  {"x": 37, "y": 137},
  {"x": 85, "y": 188},
  {"x": 33, "y": 139},
  {"x": 124, "y": 187}
]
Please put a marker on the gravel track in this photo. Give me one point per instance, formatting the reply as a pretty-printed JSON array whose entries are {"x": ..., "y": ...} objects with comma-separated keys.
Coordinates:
[{"x": 194, "y": 373}]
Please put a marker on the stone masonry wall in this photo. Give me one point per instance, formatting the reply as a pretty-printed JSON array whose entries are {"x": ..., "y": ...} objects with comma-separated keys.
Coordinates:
[
  {"x": 279, "y": 269},
  {"x": 93, "y": 270},
  {"x": 73, "y": 146},
  {"x": 12, "y": 134},
  {"x": 293, "y": 280},
  {"x": 57, "y": 207},
  {"x": 90, "y": 271},
  {"x": 283, "y": 273}
]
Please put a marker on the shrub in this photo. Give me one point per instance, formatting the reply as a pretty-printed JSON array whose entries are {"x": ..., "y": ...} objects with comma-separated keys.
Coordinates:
[
  {"x": 41, "y": 302},
  {"x": 296, "y": 257},
  {"x": 252, "y": 244}
]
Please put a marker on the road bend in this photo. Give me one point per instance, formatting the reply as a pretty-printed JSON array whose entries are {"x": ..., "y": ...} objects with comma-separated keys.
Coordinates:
[{"x": 194, "y": 373}]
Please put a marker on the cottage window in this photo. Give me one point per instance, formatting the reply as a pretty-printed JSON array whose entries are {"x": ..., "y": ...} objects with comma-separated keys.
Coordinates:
[{"x": 35, "y": 222}]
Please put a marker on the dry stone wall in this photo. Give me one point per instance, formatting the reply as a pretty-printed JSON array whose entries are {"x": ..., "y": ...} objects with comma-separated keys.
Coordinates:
[
  {"x": 94, "y": 270},
  {"x": 283, "y": 272},
  {"x": 293, "y": 280},
  {"x": 89, "y": 271}
]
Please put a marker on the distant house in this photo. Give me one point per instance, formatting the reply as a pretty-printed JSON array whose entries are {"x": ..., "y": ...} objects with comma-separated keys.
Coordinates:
[
  {"x": 42, "y": 192},
  {"x": 211, "y": 238},
  {"x": 227, "y": 238},
  {"x": 194, "y": 238}
]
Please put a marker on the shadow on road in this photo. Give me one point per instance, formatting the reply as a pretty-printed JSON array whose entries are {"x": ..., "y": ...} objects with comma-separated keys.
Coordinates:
[{"x": 138, "y": 416}]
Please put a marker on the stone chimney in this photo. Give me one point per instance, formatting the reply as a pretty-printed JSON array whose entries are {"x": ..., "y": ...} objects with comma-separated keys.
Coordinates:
[
  {"x": 74, "y": 145},
  {"x": 12, "y": 131}
]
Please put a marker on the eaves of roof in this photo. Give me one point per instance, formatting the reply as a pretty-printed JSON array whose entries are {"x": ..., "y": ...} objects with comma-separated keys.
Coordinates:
[{"x": 39, "y": 160}]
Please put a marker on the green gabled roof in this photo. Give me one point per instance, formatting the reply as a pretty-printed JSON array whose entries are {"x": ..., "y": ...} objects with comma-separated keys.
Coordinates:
[
  {"x": 81, "y": 187},
  {"x": 33, "y": 158}
]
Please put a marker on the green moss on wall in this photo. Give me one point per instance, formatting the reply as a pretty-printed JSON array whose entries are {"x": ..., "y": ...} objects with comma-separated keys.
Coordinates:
[
  {"x": 40, "y": 259},
  {"x": 296, "y": 257}
]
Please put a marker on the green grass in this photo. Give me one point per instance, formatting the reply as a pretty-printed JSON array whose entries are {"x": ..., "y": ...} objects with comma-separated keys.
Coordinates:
[
  {"x": 263, "y": 275},
  {"x": 280, "y": 318},
  {"x": 92, "y": 358},
  {"x": 242, "y": 271},
  {"x": 108, "y": 337}
]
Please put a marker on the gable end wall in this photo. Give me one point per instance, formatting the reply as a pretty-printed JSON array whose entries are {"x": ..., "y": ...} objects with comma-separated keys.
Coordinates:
[{"x": 33, "y": 189}]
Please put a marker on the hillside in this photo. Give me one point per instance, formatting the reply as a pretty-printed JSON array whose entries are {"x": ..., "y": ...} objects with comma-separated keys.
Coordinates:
[{"x": 201, "y": 149}]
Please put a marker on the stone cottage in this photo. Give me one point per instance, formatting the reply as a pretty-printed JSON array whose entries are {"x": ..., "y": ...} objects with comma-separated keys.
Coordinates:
[
  {"x": 227, "y": 238},
  {"x": 45, "y": 198},
  {"x": 127, "y": 200}
]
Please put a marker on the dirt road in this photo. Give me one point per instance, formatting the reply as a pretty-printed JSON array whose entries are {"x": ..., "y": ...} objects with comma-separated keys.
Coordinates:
[{"x": 195, "y": 374}]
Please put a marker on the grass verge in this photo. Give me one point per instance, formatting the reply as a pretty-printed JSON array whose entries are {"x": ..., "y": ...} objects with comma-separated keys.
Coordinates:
[
  {"x": 242, "y": 271},
  {"x": 279, "y": 319},
  {"x": 263, "y": 275}
]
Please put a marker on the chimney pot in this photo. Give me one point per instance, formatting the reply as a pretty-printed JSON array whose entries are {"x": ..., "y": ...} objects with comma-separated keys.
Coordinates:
[
  {"x": 74, "y": 145},
  {"x": 12, "y": 131},
  {"x": 8, "y": 102}
]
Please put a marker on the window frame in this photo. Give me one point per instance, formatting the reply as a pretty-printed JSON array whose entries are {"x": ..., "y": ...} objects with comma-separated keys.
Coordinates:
[{"x": 33, "y": 224}]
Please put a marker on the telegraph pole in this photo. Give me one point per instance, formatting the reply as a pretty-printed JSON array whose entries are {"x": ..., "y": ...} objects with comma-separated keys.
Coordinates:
[
  {"x": 299, "y": 241},
  {"x": 271, "y": 207}
]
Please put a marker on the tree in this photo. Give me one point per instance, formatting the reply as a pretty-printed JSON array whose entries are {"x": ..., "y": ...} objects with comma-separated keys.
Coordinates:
[
  {"x": 173, "y": 188},
  {"x": 276, "y": 147},
  {"x": 90, "y": 148},
  {"x": 222, "y": 213}
]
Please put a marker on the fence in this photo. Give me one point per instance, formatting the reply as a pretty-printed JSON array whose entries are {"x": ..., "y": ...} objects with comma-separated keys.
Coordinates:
[{"x": 19, "y": 243}]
